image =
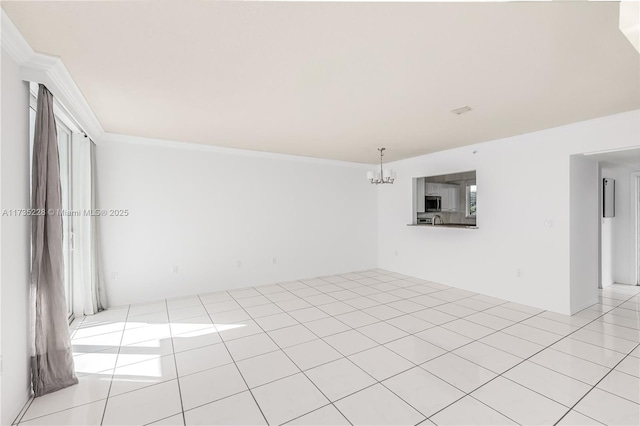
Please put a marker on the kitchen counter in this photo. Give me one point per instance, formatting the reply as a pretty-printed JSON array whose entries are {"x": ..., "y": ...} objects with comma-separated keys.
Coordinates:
[{"x": 445, "y": 225}]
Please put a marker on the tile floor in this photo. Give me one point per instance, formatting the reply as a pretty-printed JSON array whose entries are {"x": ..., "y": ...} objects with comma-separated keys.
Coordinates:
[{"x": 371, "y": 347}]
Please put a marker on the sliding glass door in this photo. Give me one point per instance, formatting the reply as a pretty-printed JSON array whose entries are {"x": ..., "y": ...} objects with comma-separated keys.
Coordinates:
[{"x": 64, "y": 150}]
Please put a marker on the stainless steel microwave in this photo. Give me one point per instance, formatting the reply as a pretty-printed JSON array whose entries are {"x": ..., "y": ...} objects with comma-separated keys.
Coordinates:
[{"x": 432, "y": 203}]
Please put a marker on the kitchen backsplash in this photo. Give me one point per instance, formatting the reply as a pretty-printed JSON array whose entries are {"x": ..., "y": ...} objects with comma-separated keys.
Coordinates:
[{"x": 451, "y": 217}]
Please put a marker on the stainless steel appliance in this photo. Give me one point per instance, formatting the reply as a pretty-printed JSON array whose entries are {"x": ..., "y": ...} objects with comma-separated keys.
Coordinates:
[{"x": 432, "y": 203}]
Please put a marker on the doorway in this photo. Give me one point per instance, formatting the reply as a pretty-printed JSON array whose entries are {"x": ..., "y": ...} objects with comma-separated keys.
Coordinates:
[{"x": 620, "y": 229}]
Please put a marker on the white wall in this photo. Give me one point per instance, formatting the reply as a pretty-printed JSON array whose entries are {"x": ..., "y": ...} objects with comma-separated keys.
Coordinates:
[
  {"x": 524, "y": 192},
  {"x": 584, "y": 209},
  {"x": 618, "y": 251},
  {"x": 15, "y": 248},
  {"x": 204, "y": 209}
]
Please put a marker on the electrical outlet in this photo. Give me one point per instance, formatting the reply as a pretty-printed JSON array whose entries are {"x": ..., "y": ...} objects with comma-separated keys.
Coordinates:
[
  {"x": 396, "y": 252},
  {"x": 239, "y": 264},
  {"x": 519, "y": 273},
  {"x": 174, "y": 269},
  {"x": 548, "y": 223},
  {"x": 274, "y": 260},
  {"x": 114, "y": 276}
]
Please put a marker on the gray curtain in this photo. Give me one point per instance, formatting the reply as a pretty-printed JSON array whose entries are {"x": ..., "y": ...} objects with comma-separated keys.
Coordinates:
[{"x": 52, "y": 359}]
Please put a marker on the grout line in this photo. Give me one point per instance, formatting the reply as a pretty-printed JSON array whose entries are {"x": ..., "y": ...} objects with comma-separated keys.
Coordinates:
[
  {"x": 316, "y": 409},
  {"x": 592, "y": 388},
  {"x": 376, "y": 381},
  {"x": 414, "y": 364},
  {"x": 615, "y": 394},
  {"x": 498, "y": 375},
  {"x": 175, "y": 363},
  {"x": 30, "y": 401},
  {"x": 63, "y": 410},
  {"x": 301, "y": 371},
  {"x": 502, "y": 414},
  {"x": 450, "y": 384},
  {"x": 444, "y": 302},
  {"x": 560, "y": 338},
  {"x": 236, "y": 365},
  {"x": 252, "y": 318},
  {"x": 24, "y": 409},
  {"x": 164, "y": 418},
  {"x": 591, "y": 344},
  {"x": 421, "y": 283},
  {"x": 115, "y": 366},
  {"x": 429, "y": 342},
  {"x": 208, "y": 402},
  {"x": 526, "y": 359},
  {"x": 601, "y": 346}
]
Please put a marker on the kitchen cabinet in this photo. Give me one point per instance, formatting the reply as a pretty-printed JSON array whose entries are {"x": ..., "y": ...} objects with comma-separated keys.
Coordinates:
[
  {"x": 449, "y": 194},
  {"x": 450, "y": 199},
  {"x": 432, "y": 188},
  {"x": 419, "y": 193}
]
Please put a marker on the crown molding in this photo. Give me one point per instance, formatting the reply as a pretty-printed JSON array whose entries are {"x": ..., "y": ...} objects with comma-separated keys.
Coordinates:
[
  {"x": 111, "y": 139},
  {"x": 50, "y": 71},
  {"x": 13, "y": 42}
]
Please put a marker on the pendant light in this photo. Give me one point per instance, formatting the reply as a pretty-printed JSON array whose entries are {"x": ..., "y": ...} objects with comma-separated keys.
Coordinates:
[{"x": 382, "y": 176}]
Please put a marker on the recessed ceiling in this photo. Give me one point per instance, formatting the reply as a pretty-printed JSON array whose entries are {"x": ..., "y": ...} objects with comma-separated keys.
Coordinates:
[{"x": 338, "y": 80}]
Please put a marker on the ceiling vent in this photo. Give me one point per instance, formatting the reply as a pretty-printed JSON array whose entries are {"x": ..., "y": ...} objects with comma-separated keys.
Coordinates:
[{"x": 461, "y": 110}]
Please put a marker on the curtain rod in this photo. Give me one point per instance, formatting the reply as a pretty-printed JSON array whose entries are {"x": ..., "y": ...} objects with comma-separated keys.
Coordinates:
[{"x": 34, "y": 85}]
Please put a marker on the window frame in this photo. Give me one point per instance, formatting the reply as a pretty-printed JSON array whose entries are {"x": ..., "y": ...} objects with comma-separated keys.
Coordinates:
[{"x": 467, "y": 209}]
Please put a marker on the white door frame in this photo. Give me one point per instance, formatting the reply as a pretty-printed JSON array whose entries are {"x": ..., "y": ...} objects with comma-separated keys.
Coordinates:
[{"x": 636, "y": 214}]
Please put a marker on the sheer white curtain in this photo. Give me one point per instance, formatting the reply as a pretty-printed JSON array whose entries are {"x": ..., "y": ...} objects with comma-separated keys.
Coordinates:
[{"x": 90, "y": 294}]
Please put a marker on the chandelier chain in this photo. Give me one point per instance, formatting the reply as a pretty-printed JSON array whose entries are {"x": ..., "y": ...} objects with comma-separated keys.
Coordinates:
[{"x": 381, "y": 177}]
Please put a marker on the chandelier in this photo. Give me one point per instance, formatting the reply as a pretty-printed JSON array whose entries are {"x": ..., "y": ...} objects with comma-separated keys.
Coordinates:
[{"x": 382, "y": 176}]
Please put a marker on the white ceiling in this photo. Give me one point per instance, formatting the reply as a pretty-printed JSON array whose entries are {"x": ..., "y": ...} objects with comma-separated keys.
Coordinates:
[
  {"x": 628, "y": 158},
  {"x": 338, "y": 80}
]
